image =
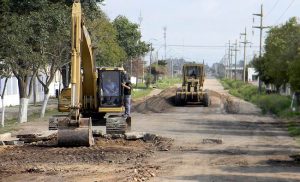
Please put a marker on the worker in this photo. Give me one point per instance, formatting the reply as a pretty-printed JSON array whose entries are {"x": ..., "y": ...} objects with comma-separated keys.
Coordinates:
[
  {"x": 110, "y": 88},
  {"x": 127, "y": 96},
  {"x": 111, "y": 92}
]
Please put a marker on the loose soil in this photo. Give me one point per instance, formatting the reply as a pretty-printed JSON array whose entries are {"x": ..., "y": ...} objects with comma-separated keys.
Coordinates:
[{"x": 100, "y": 162}]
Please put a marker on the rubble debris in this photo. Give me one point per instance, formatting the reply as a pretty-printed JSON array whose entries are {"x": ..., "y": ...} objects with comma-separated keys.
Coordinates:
[
  {"x": 14, "y": 142},
  {"x": 134, "y": 135},
  {"x": 7, "y": 139},
  {"x": 5, "y": 136},
  {"x": 231, "y": 106},
  {"x": 212, "y": 141},
  {"x": 35, "y": 170},
  {"x": 98, "y": 133},
  {"x": 116, "y": 136},
  {"x": 36, "y": 137},
  {"x": 149, "y": 137}
]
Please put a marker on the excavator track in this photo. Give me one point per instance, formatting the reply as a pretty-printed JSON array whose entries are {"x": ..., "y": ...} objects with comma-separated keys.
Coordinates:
[{"x": 117, "y": 125}]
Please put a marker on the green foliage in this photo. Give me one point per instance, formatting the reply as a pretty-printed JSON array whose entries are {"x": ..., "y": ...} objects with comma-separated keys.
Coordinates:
[
  {"x": 167, "y": 82},
  {"x": 294, "y": 74},
  {"x": 104, "y": 37},
  {"x": 129, "y": 37},
  {"x": 141, "y": 91},
  {"x": 279, "y": 64},
  {"x": 294, "y": 129},
  {"x": 148, "y": 80},
  {"x": 107, "y": 50},
  {"x": 274, "y": 103}
]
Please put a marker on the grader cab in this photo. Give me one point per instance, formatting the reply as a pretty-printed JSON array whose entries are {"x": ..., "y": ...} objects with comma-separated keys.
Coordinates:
[{"x": 191, "y": 91}]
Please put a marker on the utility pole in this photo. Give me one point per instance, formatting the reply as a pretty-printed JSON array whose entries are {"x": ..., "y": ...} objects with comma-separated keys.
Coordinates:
[
  {"x": 140, "y": 24},
  {"x": 226, "y": 63},
  {"x": 245, "y": 42},
  {"x": 230, "y": 60},
  {"x": 261, "y": 28},
  {"x": 150, "y": 58},
  {"x": 165, "y": 39},
  {"x": 235, "y": 50}
]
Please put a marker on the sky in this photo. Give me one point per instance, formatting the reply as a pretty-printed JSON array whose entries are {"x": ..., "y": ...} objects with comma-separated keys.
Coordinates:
[{"x": 204, "y": 27}]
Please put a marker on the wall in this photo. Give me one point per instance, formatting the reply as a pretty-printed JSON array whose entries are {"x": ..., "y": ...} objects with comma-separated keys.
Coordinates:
[{"x": 11, "y": 97}]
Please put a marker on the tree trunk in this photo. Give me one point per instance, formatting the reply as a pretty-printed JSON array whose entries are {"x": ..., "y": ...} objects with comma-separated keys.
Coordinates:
[
  {"x": 44, "y": 106},
  {"x": 3, "y": 105},
  {"x": 23, "y": 107},
  {"x": 3, "y": 112},
  {"x": 34, "y": 92}
]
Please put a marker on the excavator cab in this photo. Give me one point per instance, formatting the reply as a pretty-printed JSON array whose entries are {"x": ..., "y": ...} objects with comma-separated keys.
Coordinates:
[
  {"x": 110, "y": 91},
  {"x": 110, "y": 94}
]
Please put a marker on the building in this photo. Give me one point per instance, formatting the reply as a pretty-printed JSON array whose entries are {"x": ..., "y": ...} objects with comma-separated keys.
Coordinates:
[
  {"x": 177, "y": 66},
  {"x": 11, "y": 97},
  {"x": 252, "y": 76}
]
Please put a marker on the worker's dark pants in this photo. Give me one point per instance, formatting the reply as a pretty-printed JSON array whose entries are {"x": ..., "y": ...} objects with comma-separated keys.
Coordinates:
[{"x": 127, "y": 102}]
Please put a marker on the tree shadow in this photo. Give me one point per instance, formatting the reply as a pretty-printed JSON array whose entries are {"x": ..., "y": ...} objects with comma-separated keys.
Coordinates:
[{"x": 232, "y": 178}]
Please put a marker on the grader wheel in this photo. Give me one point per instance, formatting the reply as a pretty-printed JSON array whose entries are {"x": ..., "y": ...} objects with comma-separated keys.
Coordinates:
[{"x": 206, "y": 100}]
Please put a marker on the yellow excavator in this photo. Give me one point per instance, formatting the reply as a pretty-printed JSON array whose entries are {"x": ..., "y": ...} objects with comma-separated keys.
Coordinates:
[{"x": 95, "y": 94}]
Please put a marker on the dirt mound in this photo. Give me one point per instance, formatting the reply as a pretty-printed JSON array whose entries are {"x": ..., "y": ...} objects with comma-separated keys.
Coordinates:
[{"x": 158, "y": 103}]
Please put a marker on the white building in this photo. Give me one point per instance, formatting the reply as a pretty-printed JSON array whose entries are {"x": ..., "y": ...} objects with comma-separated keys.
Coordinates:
[
  {"x": 253, "y": 76},
  {"x": 11, "y": 97}
]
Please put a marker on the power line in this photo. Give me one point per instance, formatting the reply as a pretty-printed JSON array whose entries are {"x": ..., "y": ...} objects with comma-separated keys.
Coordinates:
[
  {"x": 292, "y": 2},
  {"x": 201, "y": 46},
  {"x": 274, "y": 6}
]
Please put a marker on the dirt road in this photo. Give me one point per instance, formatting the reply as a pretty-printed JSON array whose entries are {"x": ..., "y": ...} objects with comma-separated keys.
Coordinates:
[
  {"x": 254, "y": 148},
  {"x": 208, "y": 145}
]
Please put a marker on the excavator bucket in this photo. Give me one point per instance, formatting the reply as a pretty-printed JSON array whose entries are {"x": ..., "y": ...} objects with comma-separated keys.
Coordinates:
[{"x": 72, "y": 133}]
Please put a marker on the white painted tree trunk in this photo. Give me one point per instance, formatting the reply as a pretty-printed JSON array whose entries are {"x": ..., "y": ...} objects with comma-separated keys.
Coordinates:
[
  {"x": 3, "y": 112},
  {"x": 44, "y": 106},
  {"x": 23, "y": 110}
]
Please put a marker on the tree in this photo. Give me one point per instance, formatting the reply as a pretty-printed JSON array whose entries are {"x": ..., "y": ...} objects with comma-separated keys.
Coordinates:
[
  {"x": 103, "y": 35},
  {"x": 22, "y": 37},
  {"x": 281, "y": 47},
  {"x": 159, "y": 69},
  {"x": 129, "y": 38},
  {"x": 56, "y": 50},
  {"x": 4, "y": 74}
]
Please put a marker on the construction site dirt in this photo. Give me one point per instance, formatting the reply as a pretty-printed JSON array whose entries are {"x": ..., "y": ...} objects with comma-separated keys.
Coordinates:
[{"x": 193, "y": 143}]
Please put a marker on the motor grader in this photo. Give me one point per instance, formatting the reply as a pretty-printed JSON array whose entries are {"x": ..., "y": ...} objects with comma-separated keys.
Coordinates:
[
  {"x": 95, "y": 94},
  {"x": 191, "y": 91}
]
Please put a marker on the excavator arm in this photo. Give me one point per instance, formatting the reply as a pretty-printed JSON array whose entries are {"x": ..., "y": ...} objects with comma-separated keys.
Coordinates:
[
  {"x": 83, "y": 71},
  {"x": 73, "y": 130}
]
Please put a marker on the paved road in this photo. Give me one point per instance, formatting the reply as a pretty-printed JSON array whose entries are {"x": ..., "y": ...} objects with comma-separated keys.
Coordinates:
[{"x": 254, "y": 148}]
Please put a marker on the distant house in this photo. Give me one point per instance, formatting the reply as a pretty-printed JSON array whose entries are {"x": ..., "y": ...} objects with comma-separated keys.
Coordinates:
[
  {"x": 253, "y": 76},
  {"x": 12, "y": 91},
  {"x": 177, "y": 66}
]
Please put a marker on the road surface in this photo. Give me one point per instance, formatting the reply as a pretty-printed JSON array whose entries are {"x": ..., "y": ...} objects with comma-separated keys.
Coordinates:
[{"x": 199, "y": 144}]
